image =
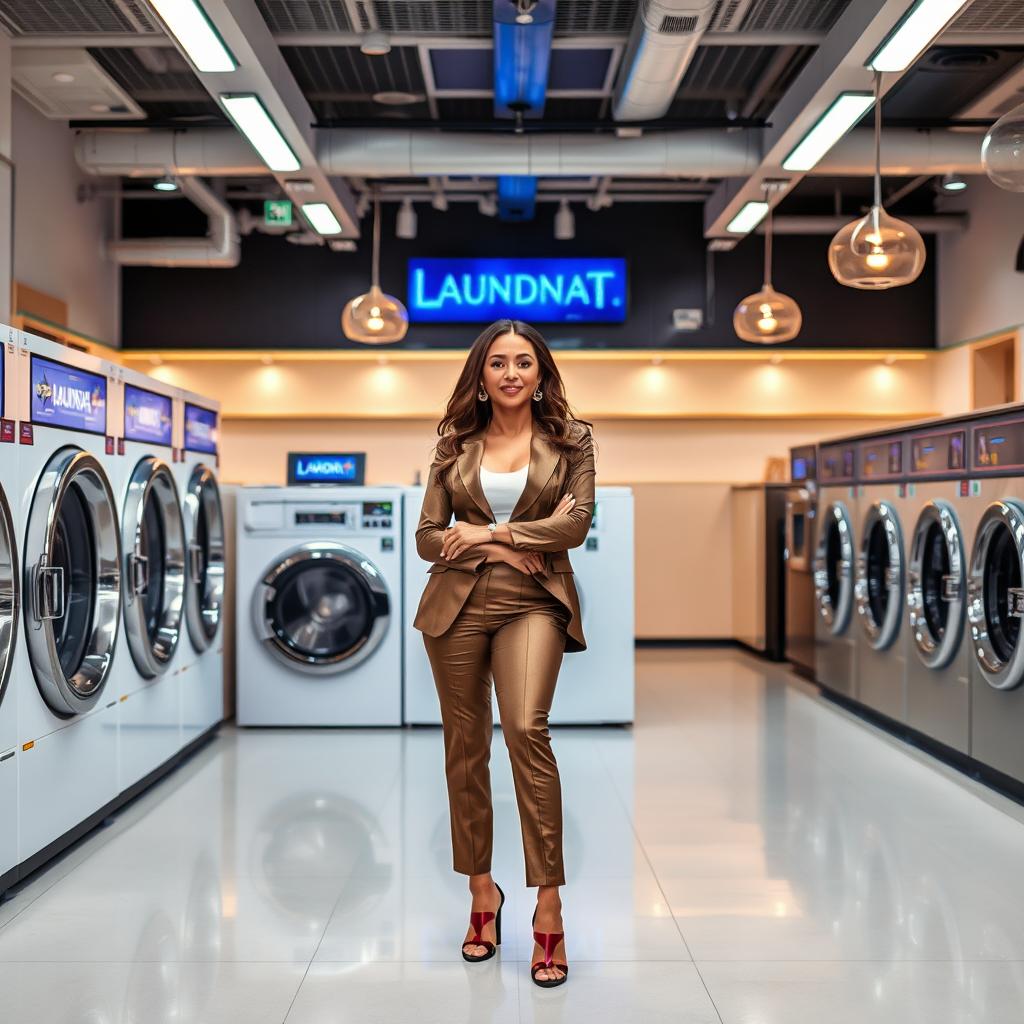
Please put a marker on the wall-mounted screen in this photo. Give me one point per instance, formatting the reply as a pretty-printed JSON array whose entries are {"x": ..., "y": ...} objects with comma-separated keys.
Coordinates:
[
  {"x": 556, "y": 290},
  {"x": 64, "y": 396},
  {"x": 147, "y": 416},
  {"x": 200, "y": 429},
  {"x": 326, "y": 467}
]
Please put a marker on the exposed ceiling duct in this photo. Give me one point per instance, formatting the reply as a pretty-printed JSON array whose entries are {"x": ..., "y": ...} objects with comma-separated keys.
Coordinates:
[
  {"x": 220, "y": 248},
  {"x": 665, "y": 35}
]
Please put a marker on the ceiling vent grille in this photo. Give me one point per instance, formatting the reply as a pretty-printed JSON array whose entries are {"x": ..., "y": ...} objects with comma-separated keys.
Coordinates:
[
  {"x": 599, "y": 17},
  {"x": 678, "y": 26},
  {"x": 435, "y": 17},
  {"x": 32, "y": 17},
  {"x": 794, "y": 15},
  {"x": 991, "y": 16},
  {"x": 305, "y": 15},
  {"x": 729, "y": 15}
]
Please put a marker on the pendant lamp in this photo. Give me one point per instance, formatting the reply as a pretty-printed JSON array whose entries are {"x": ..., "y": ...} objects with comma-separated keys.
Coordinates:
[
  {"x": 1002, "y": 151},
  {"x": 767, "y": 316},
  {"x": 375, "y": 318},
  {"x": 878, "y": 251}
]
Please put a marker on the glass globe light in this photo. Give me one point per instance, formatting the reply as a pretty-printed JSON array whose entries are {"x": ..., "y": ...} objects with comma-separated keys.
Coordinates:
[
  {"x": 1002, "y": 151},
  {"x": 374, "y": 318},
  {"x": 767, "y": 317},
  {"x": 876, "y": 252}
]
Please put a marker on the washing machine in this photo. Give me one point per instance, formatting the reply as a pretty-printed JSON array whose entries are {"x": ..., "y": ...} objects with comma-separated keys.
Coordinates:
[
  {"x": 319, "y": 624},
  {"x": 146, "y": 674},
  {"x": 995, "y": 595},
  {"x": 595, "y": 686},
  {"x": 880, "y": 636},
  {"x": 834, "y": 559},
  {"x": 71, "y": 585},
  {"x": 938, "y": 547},
  {"x": 201, "y": 664},
  {"x": 10, "y": 608}
]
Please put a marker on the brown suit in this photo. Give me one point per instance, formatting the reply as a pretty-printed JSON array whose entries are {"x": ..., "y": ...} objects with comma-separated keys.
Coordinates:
[{"x": 483, "y": 619}]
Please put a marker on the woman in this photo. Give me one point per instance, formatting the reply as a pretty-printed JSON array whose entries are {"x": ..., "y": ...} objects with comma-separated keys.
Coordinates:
[{"x": 517, "y": 469}]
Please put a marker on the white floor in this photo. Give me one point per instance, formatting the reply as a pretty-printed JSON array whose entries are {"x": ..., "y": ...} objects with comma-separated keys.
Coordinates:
[{"x": 747, "y": 854}]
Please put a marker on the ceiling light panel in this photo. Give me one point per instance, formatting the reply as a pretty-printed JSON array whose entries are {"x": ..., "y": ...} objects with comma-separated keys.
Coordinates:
[
  {"x": 845, "y": 111},
  {"x": 188, "y": 23},
  {"x": 255, "y": 123}
]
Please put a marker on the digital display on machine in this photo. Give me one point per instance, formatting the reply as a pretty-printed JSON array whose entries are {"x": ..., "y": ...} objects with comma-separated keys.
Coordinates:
[
  {"x": 540, "y": 290},
  {"x": 147, "y": 416},
  {"x": 378, "y": 508},
  {"x": 200, "y": 429},
  {"x": 937, "y": 453},
  {"x": 836, "y": 463},
  {"x": 339, "y": 518},
  {"x": 802, "y": 464},
  {"x": 999, "y": 446},
  {"x": 882, "y": 459},
  {"x": 64, "y": 396},
  {"x": 326, "y": 467}
]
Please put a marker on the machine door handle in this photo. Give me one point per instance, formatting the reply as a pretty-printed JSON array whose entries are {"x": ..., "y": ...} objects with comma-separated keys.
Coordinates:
[
  {"x": 48, "y": 591},
  {"x": 950, "y": 587},
  {"x": 195, "y": 562},
  {"x": 138, "y": 572},
  {"x": 1015, "y": 602}
]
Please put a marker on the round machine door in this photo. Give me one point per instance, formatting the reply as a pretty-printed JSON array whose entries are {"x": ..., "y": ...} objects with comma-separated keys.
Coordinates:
[
  {"x": 10, "y": 592},
  {"x": 935, "y": 584},
  {"x": 204, "y": 533},
  {"x": 322, "y": 607},
  {"x": 995, "y": 598},
  {"x": 833, "y": 568},
  {"x": 72, "y": 581},
  {"x": 879, "y": 587},
  {"x": 153, "y": 541}
]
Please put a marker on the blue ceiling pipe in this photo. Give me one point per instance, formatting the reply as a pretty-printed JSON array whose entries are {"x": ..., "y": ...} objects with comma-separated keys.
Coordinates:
[{"x": 522, "y": 55}]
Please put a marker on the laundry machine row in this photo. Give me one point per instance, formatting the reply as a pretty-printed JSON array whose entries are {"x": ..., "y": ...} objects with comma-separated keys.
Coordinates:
[{"x": 92, "y": 582}]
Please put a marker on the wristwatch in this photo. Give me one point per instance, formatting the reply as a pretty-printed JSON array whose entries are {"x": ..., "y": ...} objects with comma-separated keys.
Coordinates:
[{"x": 492, "y": 527}]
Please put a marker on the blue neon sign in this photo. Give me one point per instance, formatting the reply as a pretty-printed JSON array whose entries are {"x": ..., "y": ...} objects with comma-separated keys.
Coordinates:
[{"x": 537, "y": 290}]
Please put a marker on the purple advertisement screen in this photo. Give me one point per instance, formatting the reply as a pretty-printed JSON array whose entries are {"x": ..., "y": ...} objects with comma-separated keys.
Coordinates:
[
  {"x": 64, "y": 396},
  {"x": 200, "y": 429},
  {"x": 147, "y": 416}
]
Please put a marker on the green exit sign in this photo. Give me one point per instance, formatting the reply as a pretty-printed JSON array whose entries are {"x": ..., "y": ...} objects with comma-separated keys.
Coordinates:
[{"x": 277, "y": 212}]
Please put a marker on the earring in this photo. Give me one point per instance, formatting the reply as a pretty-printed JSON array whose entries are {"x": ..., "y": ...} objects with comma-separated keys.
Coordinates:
[
  {"x": 481, "y": 394},
  {"x": 538, "y": 395}
]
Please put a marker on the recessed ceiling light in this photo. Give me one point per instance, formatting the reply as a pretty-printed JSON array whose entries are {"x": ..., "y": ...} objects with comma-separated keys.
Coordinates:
[
  {"x": 64, "y": 77},
  {"x": 396, "y": 98}
]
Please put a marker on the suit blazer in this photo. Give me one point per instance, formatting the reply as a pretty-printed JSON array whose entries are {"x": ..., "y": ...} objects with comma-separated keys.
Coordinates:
[{"x": 531, "y": 525}]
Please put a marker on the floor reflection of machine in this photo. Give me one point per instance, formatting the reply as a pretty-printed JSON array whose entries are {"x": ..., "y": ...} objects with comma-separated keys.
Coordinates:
[
  {"x": 878, "y": 586},
  {"x": 996, "y": 598},
  {"x": 319, "y": 595},
  {"x": 72, "y": 609},
  {"x": 145, "y": 674},
  {"x": 834, "y": 555},
  {"x": 10, "y": 607},
  {"x": 801, "y": 509},
  {"x": 938, "y": 655}
]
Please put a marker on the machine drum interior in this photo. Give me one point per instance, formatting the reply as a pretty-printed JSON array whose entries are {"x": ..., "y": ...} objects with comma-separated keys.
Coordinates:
[
  {"x": 935, "y": 569},
  {"x": 1001, "y": 576},
  {"x": 877, "y": 570}
]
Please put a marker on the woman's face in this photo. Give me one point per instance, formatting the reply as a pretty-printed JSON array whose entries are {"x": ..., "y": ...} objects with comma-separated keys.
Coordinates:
[{"x": 511, "y": 371}]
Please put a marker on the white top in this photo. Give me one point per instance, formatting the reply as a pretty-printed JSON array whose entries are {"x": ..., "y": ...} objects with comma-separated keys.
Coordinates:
[{"x": 502, "y": 490}]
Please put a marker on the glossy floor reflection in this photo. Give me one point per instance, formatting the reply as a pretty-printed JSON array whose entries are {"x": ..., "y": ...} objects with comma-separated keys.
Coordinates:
[{"x": 746, "y": 854}]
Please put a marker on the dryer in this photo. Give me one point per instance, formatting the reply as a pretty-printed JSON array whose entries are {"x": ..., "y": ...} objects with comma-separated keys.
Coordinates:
[
  {"x": 146, "y": 672},
  {"x": 938, "y": 549},
  {"x": 319, "y": 625},
  {"x": 834, "y": 558},
  {"x": 71, "y": 612},
  {"x": 202, "y": 661},
  {"x": 878, "y": 581}
]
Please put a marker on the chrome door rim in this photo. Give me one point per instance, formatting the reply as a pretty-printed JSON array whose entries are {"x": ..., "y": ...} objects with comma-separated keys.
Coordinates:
[
  {"x": 881, "y": 634},
  {"x": 71, "y": 467},
  {"x": 352, "y": 559},
  {"x": 152, "y": 480},
  {"x": 837, "y": 618},
  {"x": 935, "y": 653},
  {"x": 999, "y": 674},
  {"x": 203, "y": 614},
  {"x": 10, "y": 592}
]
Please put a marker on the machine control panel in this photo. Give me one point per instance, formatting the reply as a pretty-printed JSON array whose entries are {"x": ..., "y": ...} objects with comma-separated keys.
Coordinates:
[
  {"x": 837, "y": 463},
  {"x": 937, "y": 454},
  {"x": 329, "y": 516},
  {"x": 881, "y": 460},
  {"x": 998, "y": 447}
]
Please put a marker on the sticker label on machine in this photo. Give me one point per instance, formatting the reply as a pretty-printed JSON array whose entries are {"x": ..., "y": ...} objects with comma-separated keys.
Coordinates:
[
  {"x": 200, "y": 429},
  {"x": 64, "y": 396},
  {"x": 147, "y": 416}
]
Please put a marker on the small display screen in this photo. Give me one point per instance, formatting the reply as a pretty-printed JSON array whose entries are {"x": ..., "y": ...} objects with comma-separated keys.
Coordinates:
[
  {"x": 999, "y": 446},
  {"x": 200, "y": 429},
  {"x": 326, "y": 467},
  {"x": 937, "y": 453},
  {"x": 339, "y": 518},
  {"x": 64, "y": 396},
  {"x": 802, "y": 464},
  {"x": 147, "y": 416},
  {"x": 377, "y": 508},
  {"x": 884, "y": 458},
  {"x": 837, "y": 463}
]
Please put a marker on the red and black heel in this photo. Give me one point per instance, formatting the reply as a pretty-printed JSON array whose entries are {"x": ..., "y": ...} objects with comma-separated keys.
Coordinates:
[
  {"x": 478, "y": 918},
  {"x": 548, "y": 941}
]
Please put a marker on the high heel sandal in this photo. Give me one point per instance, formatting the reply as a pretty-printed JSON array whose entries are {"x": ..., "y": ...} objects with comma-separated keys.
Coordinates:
[
  {"x": 548, "y": 941},
  {"x": 478, "y": 918}
]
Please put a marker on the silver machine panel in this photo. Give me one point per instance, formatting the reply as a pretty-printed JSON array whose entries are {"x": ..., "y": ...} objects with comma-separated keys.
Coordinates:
[
  {"x": 204, "y": 578},
  {"x": 833, "y": 568},
  {"x": 10, "y": 592}
]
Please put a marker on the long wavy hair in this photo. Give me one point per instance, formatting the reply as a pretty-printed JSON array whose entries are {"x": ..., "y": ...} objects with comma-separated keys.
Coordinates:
[{"x": 466, "y": 414}]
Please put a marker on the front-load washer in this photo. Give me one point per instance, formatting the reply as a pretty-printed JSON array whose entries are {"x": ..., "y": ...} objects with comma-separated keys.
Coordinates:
[
  {"x": 938, "y": 547},
  {"x": 595, "y": 686},
  {"x": 834, "y": 558},
  {"x": 71, "y": 586},
  {"x": 10, "y": 608},
  {"x": 146, "y": 672},
  {"x": 319, "y": 591},
  {"x": 195, "y": 472},
  {"x": 995, "y": 596},
  {"x": 878, "y": 581}
]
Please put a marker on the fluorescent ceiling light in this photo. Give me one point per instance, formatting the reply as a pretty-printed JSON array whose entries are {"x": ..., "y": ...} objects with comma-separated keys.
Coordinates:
[
  {"x": 922, "y": 23},
  {"x": 322, "y": 218},
  {"x": 846, "y": 110},
  {"x": 748, "y": 218},
  {"x": 253, "y": 121},
  {"x": 188, "y": 23}
]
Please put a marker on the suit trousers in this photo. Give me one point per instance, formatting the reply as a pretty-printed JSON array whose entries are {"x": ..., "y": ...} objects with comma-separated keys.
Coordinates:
[{"x": 512, "y": 628}]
